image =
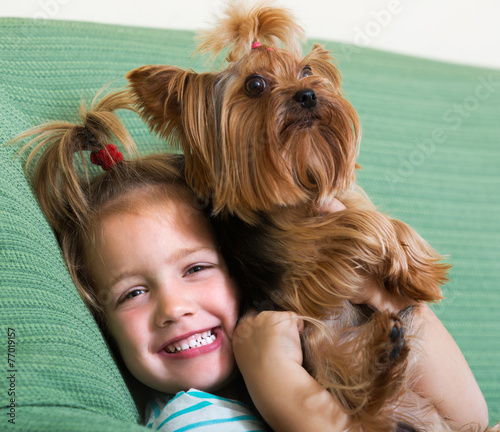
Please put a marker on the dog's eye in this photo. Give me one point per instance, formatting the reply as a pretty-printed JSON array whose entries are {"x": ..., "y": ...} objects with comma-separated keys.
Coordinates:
[
  {"x": 255, "y": 85},
  {"x": 307, "y": 71}
]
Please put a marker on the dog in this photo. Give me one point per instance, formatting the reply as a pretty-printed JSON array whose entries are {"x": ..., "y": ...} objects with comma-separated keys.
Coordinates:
[{"x": 271, "y": 142}]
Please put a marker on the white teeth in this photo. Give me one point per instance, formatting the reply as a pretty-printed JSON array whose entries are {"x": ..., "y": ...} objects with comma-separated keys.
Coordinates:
[{"x": 205, "y": 338}]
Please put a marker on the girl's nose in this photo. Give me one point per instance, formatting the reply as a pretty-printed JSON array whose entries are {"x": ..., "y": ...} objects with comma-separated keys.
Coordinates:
[{"x": 173, "y": 303}]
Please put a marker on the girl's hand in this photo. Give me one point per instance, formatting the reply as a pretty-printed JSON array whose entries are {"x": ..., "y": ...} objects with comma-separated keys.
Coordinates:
[
  {"x": 267, "y": 339},
  {"x": 268, "y": 352}
]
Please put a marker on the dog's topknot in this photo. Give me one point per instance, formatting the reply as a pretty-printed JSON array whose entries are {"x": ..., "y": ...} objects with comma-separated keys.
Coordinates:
[{"x": 240, "y": 27}]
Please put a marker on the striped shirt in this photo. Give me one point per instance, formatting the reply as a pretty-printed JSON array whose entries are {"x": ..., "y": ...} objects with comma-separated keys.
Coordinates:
[{"x": 196, "y": 410}]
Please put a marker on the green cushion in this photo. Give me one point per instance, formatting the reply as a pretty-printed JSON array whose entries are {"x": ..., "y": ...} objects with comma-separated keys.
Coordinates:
[{"x": 430, "y": 154}]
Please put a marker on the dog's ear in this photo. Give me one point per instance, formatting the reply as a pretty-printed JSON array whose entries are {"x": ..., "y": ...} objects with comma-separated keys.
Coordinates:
[
  {"x": 179, "y": 106},
  {"x": 320, "y": 60},
  {"x": 157, "y": 91}
]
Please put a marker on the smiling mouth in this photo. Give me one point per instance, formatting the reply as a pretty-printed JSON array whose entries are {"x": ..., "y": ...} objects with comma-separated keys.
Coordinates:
[{"x": 196, "y": 340}]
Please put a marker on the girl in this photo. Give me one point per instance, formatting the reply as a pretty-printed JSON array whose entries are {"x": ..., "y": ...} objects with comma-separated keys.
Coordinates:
[{"x": 146, "y": 263}]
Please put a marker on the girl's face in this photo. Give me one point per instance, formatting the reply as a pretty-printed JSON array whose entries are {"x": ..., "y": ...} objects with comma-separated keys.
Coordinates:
[{"x": 171, "y": 307}]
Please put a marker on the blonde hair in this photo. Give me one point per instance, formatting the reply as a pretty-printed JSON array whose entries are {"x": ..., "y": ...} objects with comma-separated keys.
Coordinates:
[{"x": 73, "y": 200}]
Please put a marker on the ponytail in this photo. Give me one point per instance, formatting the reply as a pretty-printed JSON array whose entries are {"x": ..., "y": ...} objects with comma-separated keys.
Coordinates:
[
  {"x": 65, "y": 191},
  {"x": 62, "y": 191}
]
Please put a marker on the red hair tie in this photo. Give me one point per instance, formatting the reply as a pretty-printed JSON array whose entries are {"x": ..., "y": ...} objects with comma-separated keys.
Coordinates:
[
  {"x": 258, "y": 44},
  {"x": 106, "y": 157}
]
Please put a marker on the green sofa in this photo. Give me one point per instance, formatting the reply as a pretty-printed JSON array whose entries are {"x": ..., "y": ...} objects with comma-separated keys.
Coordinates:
[{"x": 430, "y": 154}]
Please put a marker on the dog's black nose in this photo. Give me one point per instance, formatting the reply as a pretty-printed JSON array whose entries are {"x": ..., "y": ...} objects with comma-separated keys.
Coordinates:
[{"x": 306, "y": 98}]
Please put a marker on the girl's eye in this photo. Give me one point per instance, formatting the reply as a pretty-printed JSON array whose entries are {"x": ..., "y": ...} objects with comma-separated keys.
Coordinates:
[
  {"x": 196, "y": 269},
  {"x": 133, "y": 293},
  {"x": 307, "y": 71},
  {"x": 255, "y": 85}
]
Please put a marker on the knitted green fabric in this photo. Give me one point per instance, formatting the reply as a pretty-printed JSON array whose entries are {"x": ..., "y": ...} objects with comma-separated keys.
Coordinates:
[{"x": 430, "y": 155}]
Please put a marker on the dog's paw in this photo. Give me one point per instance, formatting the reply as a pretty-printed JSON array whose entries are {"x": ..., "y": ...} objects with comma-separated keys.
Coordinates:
[
  {"x": 396, "y": 340},
  {"x": 385, "y": 362},
  {"x": 391, "y": 344}
]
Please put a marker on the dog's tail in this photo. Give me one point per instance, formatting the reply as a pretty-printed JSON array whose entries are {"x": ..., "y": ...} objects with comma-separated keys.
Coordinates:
[{"x": 243, "y": 26}]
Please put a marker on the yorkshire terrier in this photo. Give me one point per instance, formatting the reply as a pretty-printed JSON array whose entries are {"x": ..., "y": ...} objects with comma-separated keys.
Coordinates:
[{"x": 270, "y": 141}]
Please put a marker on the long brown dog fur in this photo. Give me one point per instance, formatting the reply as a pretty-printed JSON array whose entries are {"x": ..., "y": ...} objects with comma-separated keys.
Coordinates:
[{"x": 269, "y": 155}]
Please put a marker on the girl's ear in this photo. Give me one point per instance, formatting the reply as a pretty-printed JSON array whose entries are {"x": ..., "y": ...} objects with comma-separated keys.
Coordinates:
[{"x": 158, "y": 93}]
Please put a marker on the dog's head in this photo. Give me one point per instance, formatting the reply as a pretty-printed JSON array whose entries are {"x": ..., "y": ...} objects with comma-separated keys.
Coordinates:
[{"x": 272, "y": 129}]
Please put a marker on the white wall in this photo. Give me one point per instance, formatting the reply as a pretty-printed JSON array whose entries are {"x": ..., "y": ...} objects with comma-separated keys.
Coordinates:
[{"x": 462, "y": 31}]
